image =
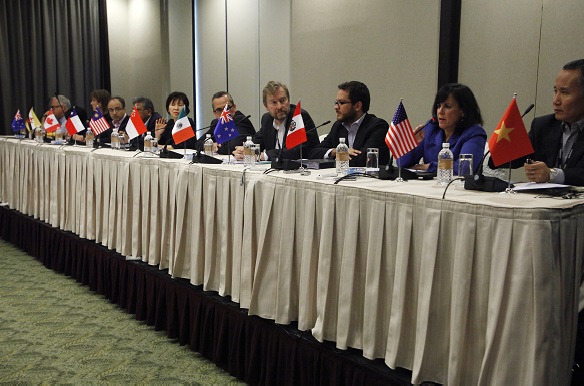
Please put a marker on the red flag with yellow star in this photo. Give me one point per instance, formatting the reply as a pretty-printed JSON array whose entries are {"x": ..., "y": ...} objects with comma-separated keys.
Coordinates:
[{"x": 510, "y": 140}]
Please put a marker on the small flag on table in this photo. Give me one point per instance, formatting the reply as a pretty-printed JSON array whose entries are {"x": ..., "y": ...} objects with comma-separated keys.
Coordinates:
[
  {"x": 98, "y": 123},
  {"x": 18, "y": 122},
  {"x": 135, "y": 126},
  {"x": 51, "y": 123},
  {"x": 225, "y": 128},
  {"x": 182, "y": 129},
  {"x": 510, "y": 140},
  {"x": 297, "y": 131},
  {"x": 73, "y": 123},
  {"x": 400, "y": 137}
]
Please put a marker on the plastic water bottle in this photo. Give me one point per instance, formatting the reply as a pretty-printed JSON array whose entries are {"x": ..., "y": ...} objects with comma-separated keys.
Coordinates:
[
  {"x": 154, "y": 145},
  {"x": 248, "y": 156},
  {"x": 89, "y": 137},
  {"x": 148, "y": 143},
  {"x": 59, "y": 136},
  {"x": 445, "y": 165},
  {"x": 38, "y": 134},
  {"x": 342, "y": 157},
  {"x": 115, "y": 139},
  {"x": 208, "y": 145}
]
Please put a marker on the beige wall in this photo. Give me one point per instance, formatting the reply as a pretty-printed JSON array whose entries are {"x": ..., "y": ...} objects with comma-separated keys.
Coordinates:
[
  {"x": 517, "y": 47},
  {"x": 391, "y": 45},
  {"x": 144, "y": 61}
]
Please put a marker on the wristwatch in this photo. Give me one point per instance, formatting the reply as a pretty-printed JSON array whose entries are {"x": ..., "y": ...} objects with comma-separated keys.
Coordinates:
[{"x": 553, "y": 174}]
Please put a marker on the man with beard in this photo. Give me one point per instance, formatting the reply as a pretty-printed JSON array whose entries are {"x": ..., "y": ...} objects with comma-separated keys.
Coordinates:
[
  {"x": 275, "y": 124},
  {"x": 360, "y": 129}
]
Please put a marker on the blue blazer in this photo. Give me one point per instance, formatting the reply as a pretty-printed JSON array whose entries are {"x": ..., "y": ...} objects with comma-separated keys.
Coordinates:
[{"x": 463, "y": 141}]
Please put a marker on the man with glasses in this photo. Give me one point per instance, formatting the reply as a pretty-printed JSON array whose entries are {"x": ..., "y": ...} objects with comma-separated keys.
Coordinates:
[
  {"x": 360, "y": 129},
  {"x": 116, "y": 108},
  {"x": 61, "y": 107},
  {"x": 243, "y": 124},
  {"x": 275, "y": 124}
]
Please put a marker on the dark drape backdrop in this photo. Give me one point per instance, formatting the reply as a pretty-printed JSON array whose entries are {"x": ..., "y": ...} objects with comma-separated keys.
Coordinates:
[{"x": 49, "y": 46}]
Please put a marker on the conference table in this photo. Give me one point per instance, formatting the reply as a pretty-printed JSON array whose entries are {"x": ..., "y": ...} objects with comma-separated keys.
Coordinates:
[{"x": 476, "y": 288}]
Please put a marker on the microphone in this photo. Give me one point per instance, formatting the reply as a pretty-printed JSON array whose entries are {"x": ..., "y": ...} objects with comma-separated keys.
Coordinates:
[
  {"x": 286, "y": 164},
  {"x": 165, "y": 153},
  {"x": 480, "y": 182}
]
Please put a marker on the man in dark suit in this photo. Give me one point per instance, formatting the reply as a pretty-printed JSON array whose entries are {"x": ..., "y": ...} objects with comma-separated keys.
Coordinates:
[
  {"x": 360, "y": 129},
  {"x": 119, "y": 119},
  {"x": 275, "y": 124},
  {"x": 557, "y": 138},
  {"x": 62, "y": 108},
  {"x": 145, "y": 109},
  {"x": 243, "y": 124}
]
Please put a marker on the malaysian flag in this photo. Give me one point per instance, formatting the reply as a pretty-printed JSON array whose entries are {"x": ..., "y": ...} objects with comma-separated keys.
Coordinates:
[
  {"x": 400, "y": 137},
  {"x": 225, "y": 129},
  {"x": 98, "y": 123}
]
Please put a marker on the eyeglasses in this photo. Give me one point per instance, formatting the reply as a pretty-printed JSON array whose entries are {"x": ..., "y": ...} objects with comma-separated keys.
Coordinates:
[
  {"x": 115, "y": 109},
  {"x": 54, "y": 107},
  {"x": 342, "y": 102},
  {"x": 220, "y": 110}
]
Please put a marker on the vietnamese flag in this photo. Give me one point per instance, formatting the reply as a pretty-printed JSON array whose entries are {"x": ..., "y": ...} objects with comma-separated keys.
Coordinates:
[
  {"x": 51, "y": 123},
  {"x": 135, "y": 126},
  {"x": 510, "y": 140},
  {"x": 182, "y": 129},
  {"x": 296, "y": 132}
]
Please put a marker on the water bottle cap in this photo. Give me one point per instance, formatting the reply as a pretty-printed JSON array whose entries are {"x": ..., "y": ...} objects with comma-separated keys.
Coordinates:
[
  {"x": 208, "y": 135},
  {"x": 249, "y": 137},
  {"x": 445, "y": 145},
  {"x": 342, "y": 140}
]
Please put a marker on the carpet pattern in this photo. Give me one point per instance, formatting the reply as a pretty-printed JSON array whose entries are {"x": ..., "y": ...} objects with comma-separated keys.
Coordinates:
[{"x": 54, "y": 330}]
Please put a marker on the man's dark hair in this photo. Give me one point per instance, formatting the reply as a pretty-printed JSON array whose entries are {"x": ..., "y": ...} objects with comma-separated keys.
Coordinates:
[
  {"x": 146, "y": 102},
  {"x": 220, "y": 94},
  {"x": 577, "y": 65},
  {"x": 358, "y": 92}
]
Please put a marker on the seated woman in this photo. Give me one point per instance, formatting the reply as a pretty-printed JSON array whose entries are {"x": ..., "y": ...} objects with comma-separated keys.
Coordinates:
[
  {"x": 163, "y": 128},
  {"x": 457, "y": 120}
]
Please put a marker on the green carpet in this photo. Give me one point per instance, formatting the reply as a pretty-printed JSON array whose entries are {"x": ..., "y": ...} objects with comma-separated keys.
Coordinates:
[{"x": 54, "y": 330}]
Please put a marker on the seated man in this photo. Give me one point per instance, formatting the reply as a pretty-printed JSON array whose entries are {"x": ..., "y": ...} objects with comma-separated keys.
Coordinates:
[
  {"x": 275, "y": 124},
  {"x": 61, "y": 107},
  {"x": 149, "y": 116},
  {"x": 243, "y": 124},
  {"x": 360, "y": 129},
  {"x": 557, "y": 138}
]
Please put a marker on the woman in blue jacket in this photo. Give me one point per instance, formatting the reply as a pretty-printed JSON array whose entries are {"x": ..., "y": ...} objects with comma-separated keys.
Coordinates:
[{"x": 457, "y": 120}]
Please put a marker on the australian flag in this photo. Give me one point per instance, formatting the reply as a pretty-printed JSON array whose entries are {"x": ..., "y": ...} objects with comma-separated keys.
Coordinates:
[
  {"x": 18, "y": 122},
  {"x": 225, "y": 129}
]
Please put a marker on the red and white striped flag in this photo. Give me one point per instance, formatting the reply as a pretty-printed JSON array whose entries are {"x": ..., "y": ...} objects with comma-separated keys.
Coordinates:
[
  {"x": 400, "y": 137},
  {"x": 98, "y": 123}
]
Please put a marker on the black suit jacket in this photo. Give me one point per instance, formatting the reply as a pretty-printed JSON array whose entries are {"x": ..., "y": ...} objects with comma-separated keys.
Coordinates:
[
  {"x": 267, "y": 137},
  {"x": 546, "y": 138},
  {"x": 371, "y": 133},
  {"x": 138, "y": 142},
  {"x": 244, "y": 128},
  {"x": 106, "y": 136}
]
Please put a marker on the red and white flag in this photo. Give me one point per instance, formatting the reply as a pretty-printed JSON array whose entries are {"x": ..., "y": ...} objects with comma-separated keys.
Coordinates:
[
  {"x": 135, "y": 126},
  {"x": 182, "y": 129},
  {"x": 98, "y": 123},
  {"x": 297, "y": 131},
  {"x": 400, "y": 137},
  {"x": 73, "y": 123},
  {"x": 51, "y": 123}
]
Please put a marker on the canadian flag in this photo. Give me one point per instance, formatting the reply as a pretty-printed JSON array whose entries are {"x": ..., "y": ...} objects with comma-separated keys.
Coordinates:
[{"x": 51, "y": 123}]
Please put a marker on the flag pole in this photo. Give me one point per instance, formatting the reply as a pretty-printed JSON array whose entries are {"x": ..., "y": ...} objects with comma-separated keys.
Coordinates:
[{"x": 508, "y": 189}]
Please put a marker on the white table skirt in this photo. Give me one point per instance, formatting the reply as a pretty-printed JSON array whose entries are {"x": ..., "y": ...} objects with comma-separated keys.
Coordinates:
[{"x": 479, "y": 288}]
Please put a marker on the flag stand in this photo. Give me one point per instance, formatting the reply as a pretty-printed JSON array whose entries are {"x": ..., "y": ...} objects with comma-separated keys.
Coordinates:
[
  {"x": 399, "y": 178},
  {"x": 303, "y": 171},
  {"x": 228, "y": 152},
  {"x": 509, "y": 190}
]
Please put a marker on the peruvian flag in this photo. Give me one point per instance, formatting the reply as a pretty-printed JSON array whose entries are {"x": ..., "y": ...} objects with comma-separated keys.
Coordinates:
[
  {"x": 74, "y": 124},
  {"x": 135, "y": 126},
  {"x": 296, "y": 132},
  {"x": 51, "y": 123},
  {"x": 182, "y": 129}
]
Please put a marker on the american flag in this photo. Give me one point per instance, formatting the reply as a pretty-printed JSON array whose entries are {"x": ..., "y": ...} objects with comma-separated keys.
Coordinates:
[
  {"x": 225, "y": 129},
  {"x": 98, "y": 123},
  {"x": 400, "y": 137}
]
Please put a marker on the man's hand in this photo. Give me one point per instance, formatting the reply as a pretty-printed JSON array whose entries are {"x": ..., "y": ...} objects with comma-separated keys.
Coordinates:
[{"x": 537, "y": 171}]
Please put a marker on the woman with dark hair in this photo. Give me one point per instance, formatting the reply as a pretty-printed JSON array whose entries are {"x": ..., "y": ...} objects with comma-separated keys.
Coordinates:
[
  {"x": 174, "y": 104},
  {"x": 457, "y": 120}
]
